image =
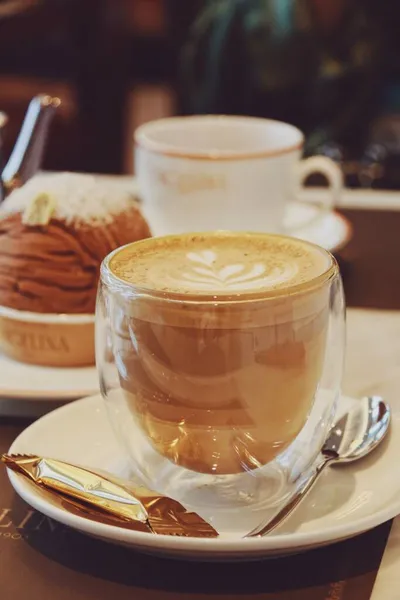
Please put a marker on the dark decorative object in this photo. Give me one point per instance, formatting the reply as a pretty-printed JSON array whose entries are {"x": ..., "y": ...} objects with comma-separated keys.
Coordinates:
[{"x": 330, "y": 67}]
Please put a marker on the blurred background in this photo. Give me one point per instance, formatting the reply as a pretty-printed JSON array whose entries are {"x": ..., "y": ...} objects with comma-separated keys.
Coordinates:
[{"x": 331, "y": 67}]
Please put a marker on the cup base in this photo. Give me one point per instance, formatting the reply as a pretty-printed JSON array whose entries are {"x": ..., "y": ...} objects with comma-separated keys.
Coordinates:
[
  {"x": 243, "y": 499},
  {"x": 231, "y": 503},
  {"x": 49, "y": 340},
  {"x": 260, "y": 488}
]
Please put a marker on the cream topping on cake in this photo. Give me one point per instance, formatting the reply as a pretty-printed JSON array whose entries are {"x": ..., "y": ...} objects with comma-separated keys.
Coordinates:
[{"x": 77, "y": 196}]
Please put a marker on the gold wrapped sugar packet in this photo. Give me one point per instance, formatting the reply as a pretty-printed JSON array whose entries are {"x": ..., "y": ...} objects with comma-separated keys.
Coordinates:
[{"x": 98, "y": 494}]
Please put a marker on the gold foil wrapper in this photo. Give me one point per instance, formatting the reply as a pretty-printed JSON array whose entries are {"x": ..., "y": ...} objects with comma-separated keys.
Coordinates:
[{"x": 105, "y": 498}]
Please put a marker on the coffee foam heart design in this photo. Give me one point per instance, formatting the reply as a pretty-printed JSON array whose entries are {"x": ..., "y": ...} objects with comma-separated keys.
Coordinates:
[{"x": 202, "y": 273}]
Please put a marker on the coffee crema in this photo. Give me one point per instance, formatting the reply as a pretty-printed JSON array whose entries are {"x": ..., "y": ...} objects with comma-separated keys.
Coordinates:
[
  {"x": 219, "y": 263},
  {"x": 217, "y": 384}
]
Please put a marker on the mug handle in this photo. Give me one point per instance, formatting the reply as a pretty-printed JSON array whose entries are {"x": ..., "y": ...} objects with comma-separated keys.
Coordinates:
[{"x": 334, "y": 175}]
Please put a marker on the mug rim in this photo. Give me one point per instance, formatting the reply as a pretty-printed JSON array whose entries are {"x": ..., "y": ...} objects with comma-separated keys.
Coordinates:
[
  {"x": 143, "y": 140},
  {"x": 107, "y": 276}
]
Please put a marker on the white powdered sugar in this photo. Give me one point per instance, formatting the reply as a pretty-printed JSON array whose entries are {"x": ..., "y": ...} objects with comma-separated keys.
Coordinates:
[{"x": 77, "y": 196}]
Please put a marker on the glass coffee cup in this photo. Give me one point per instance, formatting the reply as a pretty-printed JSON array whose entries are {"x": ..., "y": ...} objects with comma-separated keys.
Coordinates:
[{"x": 220, "y": 358}]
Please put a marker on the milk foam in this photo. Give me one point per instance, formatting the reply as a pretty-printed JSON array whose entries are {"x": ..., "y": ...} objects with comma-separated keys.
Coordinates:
[
  {"x": 219, "y": 263},
  {"x": 235, "y": 277}
]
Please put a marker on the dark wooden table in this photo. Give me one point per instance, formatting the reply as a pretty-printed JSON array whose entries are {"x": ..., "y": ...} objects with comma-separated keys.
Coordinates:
[
  {"x": 371, "y": 262},
  {"x": 42, "y": 560}
]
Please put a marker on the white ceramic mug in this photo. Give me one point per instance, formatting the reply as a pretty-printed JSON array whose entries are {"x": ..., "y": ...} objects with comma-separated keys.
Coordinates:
[{"x": 207, "y": 172}]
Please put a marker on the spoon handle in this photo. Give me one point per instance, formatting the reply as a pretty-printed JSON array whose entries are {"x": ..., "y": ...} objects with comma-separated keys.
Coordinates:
[
  {"x": 267, "y": 526},
  {"x": 27, "y": 154}
]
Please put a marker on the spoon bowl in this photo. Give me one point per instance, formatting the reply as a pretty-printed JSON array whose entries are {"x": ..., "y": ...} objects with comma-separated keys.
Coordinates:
[
  {"x": 359, "y": 431},
  {"x": 355, "y": 435}
]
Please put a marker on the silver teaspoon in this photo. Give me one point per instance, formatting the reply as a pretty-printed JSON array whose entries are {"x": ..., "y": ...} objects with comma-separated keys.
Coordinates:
[{"x": 354, "y": 436}]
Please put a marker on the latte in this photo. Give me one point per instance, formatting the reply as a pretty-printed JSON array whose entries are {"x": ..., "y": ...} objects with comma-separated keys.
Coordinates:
[{"x": 221, "y": 348}]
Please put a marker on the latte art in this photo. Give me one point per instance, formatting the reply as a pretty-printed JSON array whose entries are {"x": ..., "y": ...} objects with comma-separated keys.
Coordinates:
[
  {"x": 238, "y": 276},
  {"x": 219, "y": 263}
]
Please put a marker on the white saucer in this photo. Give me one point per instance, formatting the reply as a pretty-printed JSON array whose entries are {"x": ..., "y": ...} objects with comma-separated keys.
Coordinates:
[
  {"x": 330, "y": 230},
  {"x": 30, "y": 382},
  {"x": 346, "y": 501}
]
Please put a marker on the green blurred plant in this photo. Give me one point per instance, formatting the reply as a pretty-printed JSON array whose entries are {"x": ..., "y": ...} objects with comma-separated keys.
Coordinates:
[{"x": 281, "y": 59}]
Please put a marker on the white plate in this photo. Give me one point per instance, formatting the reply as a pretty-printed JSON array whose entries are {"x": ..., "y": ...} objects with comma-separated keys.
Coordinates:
[
  {"x": 331, "y": 230},
  {"x": 30, "y": 382},
  {"x": 346, "y": 501}
]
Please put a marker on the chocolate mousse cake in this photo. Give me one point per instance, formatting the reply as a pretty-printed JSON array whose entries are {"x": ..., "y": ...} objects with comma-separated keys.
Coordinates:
[{"x": 54, "y": 233}]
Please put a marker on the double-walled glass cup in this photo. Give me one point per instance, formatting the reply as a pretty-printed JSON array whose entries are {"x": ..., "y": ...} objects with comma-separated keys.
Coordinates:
[{"x": 221, "y": 401}]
